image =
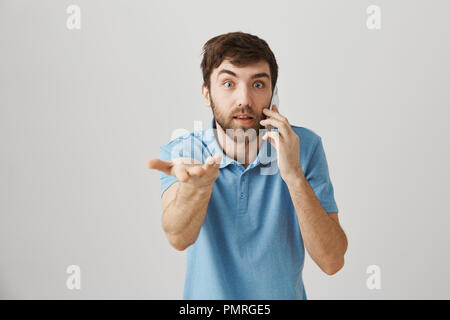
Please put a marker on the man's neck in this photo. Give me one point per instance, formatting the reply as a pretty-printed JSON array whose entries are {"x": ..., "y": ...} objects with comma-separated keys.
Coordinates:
[{"x": 242, "y": 150}]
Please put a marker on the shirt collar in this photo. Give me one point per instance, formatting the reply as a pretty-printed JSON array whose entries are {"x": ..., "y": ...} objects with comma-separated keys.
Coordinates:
[{"x": 263, "y": 157}]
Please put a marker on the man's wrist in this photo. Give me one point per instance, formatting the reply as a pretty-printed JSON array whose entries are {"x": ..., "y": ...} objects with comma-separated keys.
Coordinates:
[
  {"x": 296, "y": 179},
  {"x": 189, "y": 191}
]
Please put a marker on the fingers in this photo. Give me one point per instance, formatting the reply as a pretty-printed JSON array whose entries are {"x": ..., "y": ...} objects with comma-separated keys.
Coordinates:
[
  {"x": 212, "y": 162},
  {"x": 218, "y": 158},
  {"x": 274, "y": 113},
  {"x": 186, "y": 161},
  {"x": 175, "y": 168},
  {"x": 184, "y": 168},
  {"x": 275, "y": 108},
  {"x": 195, "y": 171},
  {"x": 277, "y": 120},
  {"x": 180, "y": 172},
  {"x": 280, "y": 125},
  {"x": 184, "y": 172},
  {"x": 157, "y": 164}
]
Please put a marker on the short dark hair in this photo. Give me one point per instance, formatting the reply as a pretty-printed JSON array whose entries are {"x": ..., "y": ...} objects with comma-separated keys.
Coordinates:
[{"x": 241, "y": 48}]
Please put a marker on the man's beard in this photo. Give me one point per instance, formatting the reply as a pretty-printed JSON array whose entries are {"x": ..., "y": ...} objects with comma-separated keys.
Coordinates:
[{"x": 228, "y": 122}]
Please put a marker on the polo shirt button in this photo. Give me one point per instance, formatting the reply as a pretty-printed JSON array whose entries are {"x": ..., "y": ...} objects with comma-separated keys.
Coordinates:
[{"x": 242, "y": 195}]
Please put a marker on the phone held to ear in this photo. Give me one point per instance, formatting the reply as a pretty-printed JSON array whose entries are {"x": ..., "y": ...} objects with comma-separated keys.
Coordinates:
[{"x": 275, "y": 101}]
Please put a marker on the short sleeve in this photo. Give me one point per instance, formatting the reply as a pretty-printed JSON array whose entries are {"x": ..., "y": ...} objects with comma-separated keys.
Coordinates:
[
  {"x": 318, "y": 177},
  {"x": 166, "y": 180}
]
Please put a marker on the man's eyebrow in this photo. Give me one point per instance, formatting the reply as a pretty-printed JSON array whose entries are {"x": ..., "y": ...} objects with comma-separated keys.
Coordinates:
[{"x": 257, "y": 75}]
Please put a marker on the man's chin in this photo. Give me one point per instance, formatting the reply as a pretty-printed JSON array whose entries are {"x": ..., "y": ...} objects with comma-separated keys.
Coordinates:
[
  {"x": 241, "y": 127},
  {"x": 234, "y": 126},
  {"x": 242, "y": 130}
]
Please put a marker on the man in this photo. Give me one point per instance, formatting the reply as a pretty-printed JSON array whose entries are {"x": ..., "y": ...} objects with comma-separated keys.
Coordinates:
[{"x": 246, "y": 217}]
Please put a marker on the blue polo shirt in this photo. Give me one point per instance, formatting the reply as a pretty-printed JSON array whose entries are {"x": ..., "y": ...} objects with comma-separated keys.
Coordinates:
[{"x": 250, "y": 245}]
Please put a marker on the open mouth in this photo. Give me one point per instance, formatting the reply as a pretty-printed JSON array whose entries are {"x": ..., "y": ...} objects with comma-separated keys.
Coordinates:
[
  {"x": 246, "y": 120},
  {"x": 246, "y": 117}
]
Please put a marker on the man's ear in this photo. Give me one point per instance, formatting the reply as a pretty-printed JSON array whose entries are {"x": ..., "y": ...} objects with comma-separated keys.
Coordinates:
[{"x": 205, "y": 93}]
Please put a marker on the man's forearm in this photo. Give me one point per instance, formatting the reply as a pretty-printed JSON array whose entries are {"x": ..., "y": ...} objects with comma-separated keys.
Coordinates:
[
  {"x": 185, "y": 215},
  {"x": 324, "y": 239}
]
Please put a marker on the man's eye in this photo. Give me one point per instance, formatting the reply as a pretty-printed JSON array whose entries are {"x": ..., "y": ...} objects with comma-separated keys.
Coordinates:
[{"x": 229, "y": 82}]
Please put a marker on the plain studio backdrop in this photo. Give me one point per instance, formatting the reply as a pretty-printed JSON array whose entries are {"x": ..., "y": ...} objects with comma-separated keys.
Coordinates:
[{"x": 83, "y": 110}]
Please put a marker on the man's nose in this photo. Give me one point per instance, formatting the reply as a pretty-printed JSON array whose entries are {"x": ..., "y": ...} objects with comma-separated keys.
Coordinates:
[{"x": 244, "y": 97}]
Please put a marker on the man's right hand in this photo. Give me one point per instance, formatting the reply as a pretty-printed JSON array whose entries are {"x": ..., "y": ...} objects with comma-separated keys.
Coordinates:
[{"x": 190, "y": 171}]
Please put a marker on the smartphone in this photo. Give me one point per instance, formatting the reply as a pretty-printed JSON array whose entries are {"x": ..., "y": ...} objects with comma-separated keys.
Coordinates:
[{"x": 275, "y": 100}]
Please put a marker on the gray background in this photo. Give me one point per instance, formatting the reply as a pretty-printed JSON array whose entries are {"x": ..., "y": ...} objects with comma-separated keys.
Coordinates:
[{"x": 82, "y": 111}]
